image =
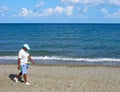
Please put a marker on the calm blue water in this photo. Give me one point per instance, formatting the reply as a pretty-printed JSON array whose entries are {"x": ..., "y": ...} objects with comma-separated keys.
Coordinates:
[{"x": 70, "y": 42}]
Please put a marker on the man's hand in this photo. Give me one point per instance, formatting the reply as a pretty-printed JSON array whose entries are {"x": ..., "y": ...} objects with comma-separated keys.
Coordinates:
[
  {"x": 33, "y": 62},
  {"x": 29, "y": 57},
  {"x": 18, "y": 67}
]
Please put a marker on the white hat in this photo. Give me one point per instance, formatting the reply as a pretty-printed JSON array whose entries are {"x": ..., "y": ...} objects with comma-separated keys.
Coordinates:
[{"x": 26, "y": 46}]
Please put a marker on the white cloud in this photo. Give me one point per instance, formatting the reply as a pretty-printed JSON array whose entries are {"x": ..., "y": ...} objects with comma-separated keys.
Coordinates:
[
  {"x": 3, "y": 9},
  {"x": 69, "y": 10},
  {"x": 104, "y": 11},
  {"x": 84, "y": 2},
  {"x": 40, "y": 4},
  {"x": 114, "y": 2},
  {"x": 72, "y": 1},
  {"x": 47, "y": 12},
  {"x": 112, "y": 15},
  {"x": 81, "y": 6},
  {"x": 85, "y": 9},
  {"x": 59, "y": 9},
  {"x": 25, "y": 12}
]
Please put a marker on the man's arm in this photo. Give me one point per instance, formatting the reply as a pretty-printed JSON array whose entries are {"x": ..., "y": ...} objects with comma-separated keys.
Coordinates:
[
  {"x": 18, "y": 63},
  {"x": 29, "y": 57}
]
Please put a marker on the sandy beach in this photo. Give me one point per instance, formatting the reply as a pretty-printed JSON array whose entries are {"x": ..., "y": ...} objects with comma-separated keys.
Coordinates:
[{"x": 61, "y": 78}]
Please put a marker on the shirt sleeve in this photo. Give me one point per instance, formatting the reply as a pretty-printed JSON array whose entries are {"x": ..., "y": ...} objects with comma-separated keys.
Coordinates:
[
  {"x": 28, "y": 54},
  {"x": 19, "y": 54}
]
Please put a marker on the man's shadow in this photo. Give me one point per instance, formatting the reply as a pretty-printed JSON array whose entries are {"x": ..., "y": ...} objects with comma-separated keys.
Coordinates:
[{"x": 12, "y": 76}]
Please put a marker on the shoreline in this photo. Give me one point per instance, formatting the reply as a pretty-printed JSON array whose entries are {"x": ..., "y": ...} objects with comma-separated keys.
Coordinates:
[{"x": 67, "y": 65}]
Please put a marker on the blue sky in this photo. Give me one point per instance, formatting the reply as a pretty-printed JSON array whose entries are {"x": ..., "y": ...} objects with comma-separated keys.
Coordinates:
[{"x": 59, "y": 11}]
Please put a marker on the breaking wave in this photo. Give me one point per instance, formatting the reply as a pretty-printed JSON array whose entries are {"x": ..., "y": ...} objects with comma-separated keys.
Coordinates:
[{"x": 63, "y": 58}]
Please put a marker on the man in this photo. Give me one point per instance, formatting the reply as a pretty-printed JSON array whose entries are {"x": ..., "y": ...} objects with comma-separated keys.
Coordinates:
[{"x": 23, "y": 58}]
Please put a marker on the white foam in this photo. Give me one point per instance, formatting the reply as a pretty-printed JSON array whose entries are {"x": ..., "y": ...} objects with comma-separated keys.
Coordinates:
[
  {"x": 8, "y": 57},
  {"x": 78, "y": 59},
  {"x": 63, "y": 58}
]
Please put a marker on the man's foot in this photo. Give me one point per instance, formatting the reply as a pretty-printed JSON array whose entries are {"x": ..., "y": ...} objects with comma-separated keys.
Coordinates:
[
  {"x": 16, "y": 80},
  {"x": 27, "y": 83}
]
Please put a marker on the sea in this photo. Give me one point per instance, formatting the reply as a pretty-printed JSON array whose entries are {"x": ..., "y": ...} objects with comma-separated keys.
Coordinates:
[{"x": 62, "y": 43}]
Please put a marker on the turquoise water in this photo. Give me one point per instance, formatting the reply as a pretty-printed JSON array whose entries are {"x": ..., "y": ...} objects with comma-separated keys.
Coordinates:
[{"x": 71, "y": 42}]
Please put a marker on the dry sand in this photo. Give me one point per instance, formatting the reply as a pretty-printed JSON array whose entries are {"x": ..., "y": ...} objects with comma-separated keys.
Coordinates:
[{"x": 62, "y": 79}]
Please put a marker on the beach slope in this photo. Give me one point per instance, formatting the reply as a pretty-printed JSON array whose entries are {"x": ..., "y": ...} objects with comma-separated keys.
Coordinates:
[{"x": 61, "y": 78}]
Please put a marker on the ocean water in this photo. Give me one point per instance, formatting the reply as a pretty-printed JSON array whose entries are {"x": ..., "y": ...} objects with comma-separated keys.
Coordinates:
[{"x": 62, "y": 43}]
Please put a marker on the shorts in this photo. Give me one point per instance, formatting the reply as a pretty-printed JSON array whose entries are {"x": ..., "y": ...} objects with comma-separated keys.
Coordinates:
[{"x": 24, "y": 69}]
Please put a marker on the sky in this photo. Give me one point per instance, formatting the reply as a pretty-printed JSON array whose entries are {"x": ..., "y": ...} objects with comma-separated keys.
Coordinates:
[{"x": 59, "y": 11}]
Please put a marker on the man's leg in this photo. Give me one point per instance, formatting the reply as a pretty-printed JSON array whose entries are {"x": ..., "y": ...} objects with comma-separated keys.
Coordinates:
[
  {"x": 20, "y": 74},
  {"x": 25, "y": 77},
  {"x": 24, "y": 73},
  {"x": 18, "y": 77}
]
